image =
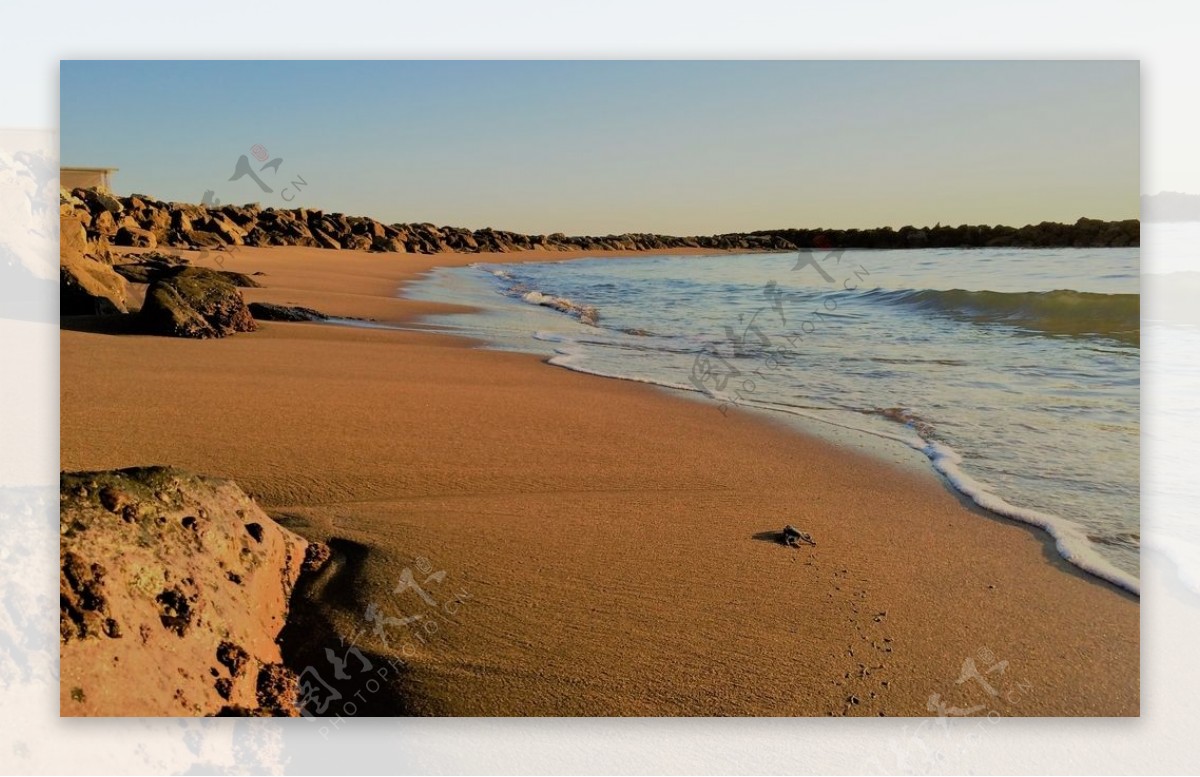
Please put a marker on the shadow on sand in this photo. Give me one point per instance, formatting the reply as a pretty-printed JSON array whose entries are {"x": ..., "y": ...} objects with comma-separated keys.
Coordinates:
[
  {"x": 770, "y": 536},
  {"x": 345, "y": 678}
]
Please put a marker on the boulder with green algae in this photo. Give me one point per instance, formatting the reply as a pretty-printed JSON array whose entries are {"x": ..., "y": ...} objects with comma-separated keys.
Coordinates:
[
  {"x": 197, "y": 303},
  {"x": 267, "y": 311},
  {"x": 143, "y": 272},
  {"x": 149, "y": 267},
  {"x": 173, "y": 591}
]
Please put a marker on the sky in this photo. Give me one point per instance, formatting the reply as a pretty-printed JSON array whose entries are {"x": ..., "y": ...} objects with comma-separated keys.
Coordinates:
[{"x": 599, "y": 147}]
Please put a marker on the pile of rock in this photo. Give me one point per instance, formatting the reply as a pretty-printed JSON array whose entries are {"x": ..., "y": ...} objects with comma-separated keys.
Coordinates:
[
  {"x": 180, "y": 301},
  {"x": 142, "y": 221},
  {"x": 268, "y": 311},
  {"x": 191, "y": 302}
]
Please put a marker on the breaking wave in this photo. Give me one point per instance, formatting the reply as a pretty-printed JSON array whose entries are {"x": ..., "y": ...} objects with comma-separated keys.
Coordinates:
[
  {"x": 868, "y": 373},
  {"x": 1059, "y": 312},
  {"x": 587, "y": 314}
]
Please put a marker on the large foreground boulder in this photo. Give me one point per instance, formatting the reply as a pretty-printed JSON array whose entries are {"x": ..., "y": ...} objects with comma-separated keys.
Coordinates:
[
  {"x": 89, "y": 288},
  {"x": 148, "y": 267},
  {"x": 195, "y": 302},
  {"x": 153, "y": 265},
  {"x": 173, "y": 590}
]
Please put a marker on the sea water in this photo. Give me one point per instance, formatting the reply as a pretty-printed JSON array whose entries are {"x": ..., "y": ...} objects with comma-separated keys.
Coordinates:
[{"x": 1013, "y": 372}]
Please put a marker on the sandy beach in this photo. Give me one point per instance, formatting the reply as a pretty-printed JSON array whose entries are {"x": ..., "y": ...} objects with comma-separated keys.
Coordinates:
[{"x": 588, "y": 546}]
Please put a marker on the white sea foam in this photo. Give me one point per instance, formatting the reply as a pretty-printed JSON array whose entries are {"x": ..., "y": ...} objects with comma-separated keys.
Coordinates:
[
  {"x": 1071, "y": 541},
  {"x": 1063, "y": 449},
  {"x": 585, "y": 313}
]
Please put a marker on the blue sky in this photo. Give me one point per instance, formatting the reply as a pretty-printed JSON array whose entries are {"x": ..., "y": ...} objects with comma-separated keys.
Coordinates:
[{"x": 599, "y": 147}]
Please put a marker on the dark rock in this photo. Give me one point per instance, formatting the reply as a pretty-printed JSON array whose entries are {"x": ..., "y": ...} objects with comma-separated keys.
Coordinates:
[
  {"x": 278, "y": 690},
  {"x": 233, "y": 657},
  {"x": 175, "y": 610},
  {"x": 267, "y": 311},
  {"x": 316, "y": 555},
  {"x": 240, "y": 279},
  {"x": 324, "y": 239},
  {"x": 90, "y": 288},
  {"x": 195, "y": 302},
  {"x": 113, "y": 499},
  {"x": 151, "y": 270},
  {"x": 98, "y": 200},
  {"x": 180, "y": 220},
  {"x": 136, "y": 237},
  {"x": 139, "y": 272},
  {"x": 72, "y": 237},
  {"x": 83, "y": 607},
  {"x": 242, "y": 711},
  {"x": 200, "y": 226},
  {"x": 357, "y": 242},
  {"x": 229, "y": 232},
  {"x": 104, "y": 224},
  {"x": 201, "y": 239}
]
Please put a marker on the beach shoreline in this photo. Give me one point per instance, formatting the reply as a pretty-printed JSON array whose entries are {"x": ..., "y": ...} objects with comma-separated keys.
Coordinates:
[{"x": 609, "y": 548}]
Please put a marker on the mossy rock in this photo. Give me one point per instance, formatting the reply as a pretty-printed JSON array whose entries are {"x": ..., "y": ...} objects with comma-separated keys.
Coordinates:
[
  {"x": 151, "y": 269},
  {"x": 197, "y": 303},
  {"x": 240, "y": 279},
  {"x": 267, "y": 311}
]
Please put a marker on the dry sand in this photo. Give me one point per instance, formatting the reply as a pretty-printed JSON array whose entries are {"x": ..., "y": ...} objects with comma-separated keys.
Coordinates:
[{"x": 597, "y": 537}]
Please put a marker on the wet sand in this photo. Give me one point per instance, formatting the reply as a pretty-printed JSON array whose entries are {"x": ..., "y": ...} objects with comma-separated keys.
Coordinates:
[{"x": 606, "y": 546}]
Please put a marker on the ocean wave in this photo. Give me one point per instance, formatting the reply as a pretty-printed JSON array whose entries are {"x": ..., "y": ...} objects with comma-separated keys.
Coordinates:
[
  {"x": 1058, "y": 312},
  {"x": 587, "y": 314},
  {"x": 632, "y": 354},
  {"x": 903, "y": 415},
  {"x": 1072, "y": 541}
]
